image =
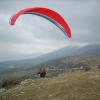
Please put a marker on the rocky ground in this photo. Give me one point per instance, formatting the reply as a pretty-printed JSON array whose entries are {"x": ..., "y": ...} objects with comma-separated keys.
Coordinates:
[{"x": 72, "y": 86}]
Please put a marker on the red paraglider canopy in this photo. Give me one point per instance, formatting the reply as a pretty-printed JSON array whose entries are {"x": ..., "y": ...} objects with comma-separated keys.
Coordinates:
[{"x": 49, "y": 14}]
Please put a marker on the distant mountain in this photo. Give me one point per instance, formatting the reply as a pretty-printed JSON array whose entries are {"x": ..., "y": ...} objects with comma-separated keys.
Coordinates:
[
  {"x": 69, "y": 51},
  {"x": 26, "y": 56},
  {"x": 11, "y": 56},
  {"x": 89, "y": 49},
  {"x": 63, "y": 52}
]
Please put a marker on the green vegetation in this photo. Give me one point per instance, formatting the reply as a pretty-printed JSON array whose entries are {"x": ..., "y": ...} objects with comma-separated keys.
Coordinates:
[{"x": 9, "y": 83}]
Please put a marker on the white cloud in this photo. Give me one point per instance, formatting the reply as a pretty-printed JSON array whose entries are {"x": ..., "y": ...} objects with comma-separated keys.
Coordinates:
[{"x": 32, "y": 33}]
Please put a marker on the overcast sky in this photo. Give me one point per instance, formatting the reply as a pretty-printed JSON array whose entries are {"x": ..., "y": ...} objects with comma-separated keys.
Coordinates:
[{"x": 32, "y": 33}]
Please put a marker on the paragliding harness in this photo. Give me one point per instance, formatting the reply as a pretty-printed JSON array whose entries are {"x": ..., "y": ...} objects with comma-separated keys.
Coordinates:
[{"x": 42, "y": 73}]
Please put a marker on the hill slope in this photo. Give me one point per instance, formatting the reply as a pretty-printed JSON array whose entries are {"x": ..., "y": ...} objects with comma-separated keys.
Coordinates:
[
  {"x": 53, "y": 67},
  {"x": 75, "y": 86},
  {"x": 63, "y": 52}
]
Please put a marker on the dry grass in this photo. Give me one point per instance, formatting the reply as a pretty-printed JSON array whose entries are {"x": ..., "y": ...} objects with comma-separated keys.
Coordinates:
[
  {"x": 74, "y": 86},
  {"x": 90, "y": 59}
]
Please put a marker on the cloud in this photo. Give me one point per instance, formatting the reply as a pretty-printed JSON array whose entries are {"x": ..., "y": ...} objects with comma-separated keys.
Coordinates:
[{"x": 32, "y": 33}]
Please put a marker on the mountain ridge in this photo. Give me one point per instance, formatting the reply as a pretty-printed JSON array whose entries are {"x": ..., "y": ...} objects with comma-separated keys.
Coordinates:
[{"x": 63, "y": 52}]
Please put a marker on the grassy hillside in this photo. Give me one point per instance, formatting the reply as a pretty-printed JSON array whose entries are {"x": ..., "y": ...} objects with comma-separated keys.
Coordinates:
[
  {"x": 70, "y": 62},
  {"x": 54, "y": 67},
  {"x": 92, "y": 60},
  {"x": 73, "y": 86}
]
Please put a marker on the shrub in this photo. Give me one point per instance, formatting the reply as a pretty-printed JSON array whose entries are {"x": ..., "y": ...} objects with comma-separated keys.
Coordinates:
[
  {"x": 9, "y": 83},
  {"x": 98, "y": 66},
  {"x": 86, "y": 68}
]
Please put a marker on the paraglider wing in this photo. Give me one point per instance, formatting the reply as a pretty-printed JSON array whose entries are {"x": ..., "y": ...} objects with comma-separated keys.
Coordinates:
[{"x": 49, "y": 14}]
